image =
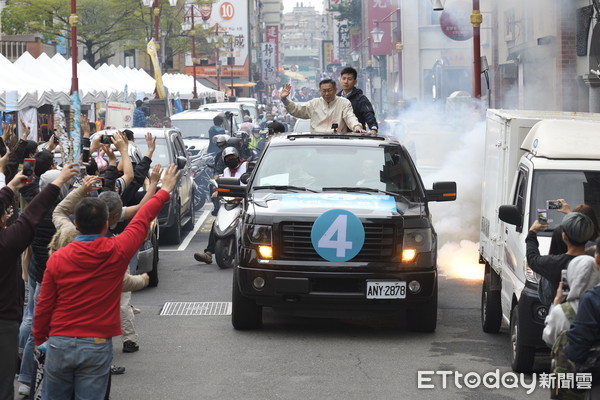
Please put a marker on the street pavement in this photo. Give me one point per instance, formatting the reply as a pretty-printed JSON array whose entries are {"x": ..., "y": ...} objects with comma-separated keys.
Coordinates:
[{"x": 203, "y": 357}]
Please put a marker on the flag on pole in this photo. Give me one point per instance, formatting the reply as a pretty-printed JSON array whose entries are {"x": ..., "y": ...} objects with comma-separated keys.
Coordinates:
[{"x": 151, "y": 50}]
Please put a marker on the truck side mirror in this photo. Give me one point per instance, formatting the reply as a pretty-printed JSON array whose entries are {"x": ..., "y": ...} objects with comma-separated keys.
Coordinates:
[
  {"x": 230, "y": 187},
  {"x": 181, "y": 162},
  {"x": 442, "y": 191},
  {"x": 510, "y": 214}
]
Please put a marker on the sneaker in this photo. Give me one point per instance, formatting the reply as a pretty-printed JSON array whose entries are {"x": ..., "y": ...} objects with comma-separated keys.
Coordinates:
[
  {"x": 204, "y": 257},
  {"x": 115, "y": 370},
  {"x": 135, "y": 309},
  {"x": 24, "y": 389},
  {"x": 130, "y": 347}
]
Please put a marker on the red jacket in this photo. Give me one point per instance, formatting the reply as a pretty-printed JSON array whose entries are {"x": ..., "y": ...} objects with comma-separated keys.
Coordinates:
[{"x": 81, "y": 290}]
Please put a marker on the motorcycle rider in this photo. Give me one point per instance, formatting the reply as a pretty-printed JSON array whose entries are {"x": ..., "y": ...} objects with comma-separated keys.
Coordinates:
[{"x": 235, "y": 167}]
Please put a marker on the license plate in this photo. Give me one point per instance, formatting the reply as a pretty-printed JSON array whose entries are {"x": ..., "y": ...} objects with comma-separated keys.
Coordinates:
[{"x": 386, "y": 290}]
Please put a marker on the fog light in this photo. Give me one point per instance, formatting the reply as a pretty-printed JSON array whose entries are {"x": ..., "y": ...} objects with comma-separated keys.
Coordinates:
[
  {"x": 414, "y": 286},
  {"x": 408, "y": 255},
  {"x": 259, "y": 283},
  {"x": 265, "y": 252}
]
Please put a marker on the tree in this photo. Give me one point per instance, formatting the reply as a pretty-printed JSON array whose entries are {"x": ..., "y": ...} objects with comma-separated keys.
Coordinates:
[
  {"x": 351, "y": 11},
  {"x": 103, "y": 24}
]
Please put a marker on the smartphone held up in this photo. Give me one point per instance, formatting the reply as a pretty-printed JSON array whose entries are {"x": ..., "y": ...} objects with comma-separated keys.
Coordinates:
[{"x": 28, "y": 169}]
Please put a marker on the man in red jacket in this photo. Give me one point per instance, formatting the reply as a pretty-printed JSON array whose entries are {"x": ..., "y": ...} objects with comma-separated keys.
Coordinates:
[
  {"x": 14, "y": 239},
  {"x": 78, "y": 306}
]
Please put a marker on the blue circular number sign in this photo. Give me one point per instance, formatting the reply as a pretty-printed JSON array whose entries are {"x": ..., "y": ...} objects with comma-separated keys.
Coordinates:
[{"x": 337, "y": 235}]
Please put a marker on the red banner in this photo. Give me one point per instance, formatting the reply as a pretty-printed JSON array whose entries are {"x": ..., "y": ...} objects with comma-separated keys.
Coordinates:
[{"x": 377, "y": 10}]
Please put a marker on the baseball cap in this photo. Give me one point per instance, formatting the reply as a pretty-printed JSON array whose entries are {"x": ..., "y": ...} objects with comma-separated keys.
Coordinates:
[{"x": 578, "y": 227}]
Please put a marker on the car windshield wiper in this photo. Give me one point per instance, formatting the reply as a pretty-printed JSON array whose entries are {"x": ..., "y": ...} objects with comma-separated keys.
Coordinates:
[
  {"x": 359, "y": 189},
  {"x": 284, "y": 187},
  {"x": 194, "y": 137}
]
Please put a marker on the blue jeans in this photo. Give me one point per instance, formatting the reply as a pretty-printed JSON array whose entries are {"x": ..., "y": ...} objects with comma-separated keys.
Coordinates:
[
  {"x": 79, "y": 366},
  {"x": 27, "y": 362},
  {"x": 27, "y": 322}
]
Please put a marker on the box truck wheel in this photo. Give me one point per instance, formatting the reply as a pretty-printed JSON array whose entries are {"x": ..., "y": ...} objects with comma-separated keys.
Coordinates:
[
  {"x": 424, "y": 318},
  {"x": 522, "y": 356},
  {"x": 491, "y": 307},
  {"x": 245, "y": 313}
]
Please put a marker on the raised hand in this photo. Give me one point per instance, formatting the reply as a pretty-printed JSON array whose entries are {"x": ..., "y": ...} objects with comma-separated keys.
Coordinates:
[
  {"x": 87, "y": 182},
  {"x": 155, "y": 174},
  {"x": 285, "y": 91},
  {"x": 170, "y": 177},
  {"x": 66, "y": 174}
]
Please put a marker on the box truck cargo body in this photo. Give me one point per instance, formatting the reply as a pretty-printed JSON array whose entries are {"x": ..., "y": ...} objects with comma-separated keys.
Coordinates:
[{"x": 531, "y": 157}]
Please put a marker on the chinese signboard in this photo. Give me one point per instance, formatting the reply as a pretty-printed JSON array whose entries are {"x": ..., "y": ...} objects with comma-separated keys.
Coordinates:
[
  {"x": 268, "y": 58},
  {"x": 327, "y": 53},
  {"x": 378, "y": 10},
  {"x": 455, "y": 21},
  {"x": 272, "y": 38},
  {"x": 341, "y": 42}
]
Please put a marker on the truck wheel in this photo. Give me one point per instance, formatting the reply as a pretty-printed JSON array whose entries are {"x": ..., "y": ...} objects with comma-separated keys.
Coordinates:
[
  {"x": 225, "y": 252},
  {"x": 245, "y": 313},
  {"x": 424, "y": 318},
  {"x": 521, "y": 357},
  {"x": 491, "y": 306},
  {"x": 153, "y": 274}
]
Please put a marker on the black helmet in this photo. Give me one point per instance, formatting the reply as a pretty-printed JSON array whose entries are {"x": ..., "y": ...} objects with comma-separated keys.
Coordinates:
[{"x": 229, "y": 151}]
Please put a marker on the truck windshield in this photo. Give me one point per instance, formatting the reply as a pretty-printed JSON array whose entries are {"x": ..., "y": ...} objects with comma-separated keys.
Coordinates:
[
  {"x": 576, "y": 187},
  {"x": 385, "y": 168}
]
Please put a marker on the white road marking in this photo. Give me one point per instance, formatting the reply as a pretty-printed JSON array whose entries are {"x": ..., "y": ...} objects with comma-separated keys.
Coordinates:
[{"x": 191, "y": 234}]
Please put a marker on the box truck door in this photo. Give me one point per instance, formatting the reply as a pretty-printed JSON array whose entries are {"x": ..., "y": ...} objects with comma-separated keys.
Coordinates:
[{"x": 513, "y": 279}]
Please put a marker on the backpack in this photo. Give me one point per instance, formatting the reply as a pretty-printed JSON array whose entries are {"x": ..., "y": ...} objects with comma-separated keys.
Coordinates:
[{"x": 561, "y": 364}]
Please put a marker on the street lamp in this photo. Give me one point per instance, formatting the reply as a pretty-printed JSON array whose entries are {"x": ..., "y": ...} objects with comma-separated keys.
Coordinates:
[
  {"x": 187, "y": 26},
  {"x": 73, "y": 20},
  {"x": 438, "y": 5},
  {"x": 377, "y": 34},
  {"x": 355, "y": 55},
  {"x": 156, "y": 12}
]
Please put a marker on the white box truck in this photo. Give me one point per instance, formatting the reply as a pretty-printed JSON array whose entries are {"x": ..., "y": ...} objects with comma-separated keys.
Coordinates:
[{"x": 530, "y": 157}]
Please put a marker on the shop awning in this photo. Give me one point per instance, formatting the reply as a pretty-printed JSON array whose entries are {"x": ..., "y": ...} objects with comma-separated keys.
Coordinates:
[
  {"x": 295, "y": 75},
  {"x": 237, "y": 82}
]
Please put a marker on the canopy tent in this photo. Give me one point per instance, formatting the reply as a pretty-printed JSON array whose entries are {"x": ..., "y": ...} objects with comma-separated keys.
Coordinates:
[
  {"x": 45, "y": 80},
  {"x": 182, "y": 86}
]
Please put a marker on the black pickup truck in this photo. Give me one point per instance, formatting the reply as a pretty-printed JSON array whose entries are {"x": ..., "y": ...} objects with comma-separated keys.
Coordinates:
[{"x": 335, "y": 226}]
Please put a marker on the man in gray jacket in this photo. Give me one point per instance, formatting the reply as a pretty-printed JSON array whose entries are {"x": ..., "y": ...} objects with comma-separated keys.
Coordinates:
[{"x": 324, "y": 111}]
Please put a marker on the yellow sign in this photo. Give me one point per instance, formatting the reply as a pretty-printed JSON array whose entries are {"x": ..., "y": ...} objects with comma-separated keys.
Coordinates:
[{"x": 151, "y": 50}]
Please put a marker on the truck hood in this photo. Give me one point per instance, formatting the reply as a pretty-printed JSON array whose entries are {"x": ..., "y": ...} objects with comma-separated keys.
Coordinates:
[{"x": 314, "y": 204}]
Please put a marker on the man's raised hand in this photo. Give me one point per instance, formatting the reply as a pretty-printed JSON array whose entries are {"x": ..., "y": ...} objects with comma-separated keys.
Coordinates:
[
  {"x": 285, "y": 91},
  {"x": 170, "y": 177}
]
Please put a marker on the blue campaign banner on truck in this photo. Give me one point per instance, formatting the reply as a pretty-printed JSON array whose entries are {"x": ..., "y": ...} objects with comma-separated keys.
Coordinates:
[{"x": 337, "y": 235}]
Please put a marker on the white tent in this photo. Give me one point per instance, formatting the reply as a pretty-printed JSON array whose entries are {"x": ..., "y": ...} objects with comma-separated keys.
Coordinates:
[{"x": 182, "y": 86}]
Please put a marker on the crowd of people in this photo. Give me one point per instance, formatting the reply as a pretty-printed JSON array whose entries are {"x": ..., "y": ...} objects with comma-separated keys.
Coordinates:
[
  {"x": 69, "y": 235},
  {"x": 569, "y": 283}
]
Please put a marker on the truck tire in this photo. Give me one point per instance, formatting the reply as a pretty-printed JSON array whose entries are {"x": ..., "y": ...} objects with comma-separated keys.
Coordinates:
[
  {"x": 424, "y": 318},
  {"x": 522, "y": 357},
  {"x": 245, "y": 313},
  {"x": 225, "y": 250},
  {"x": 491, "y": 306}
]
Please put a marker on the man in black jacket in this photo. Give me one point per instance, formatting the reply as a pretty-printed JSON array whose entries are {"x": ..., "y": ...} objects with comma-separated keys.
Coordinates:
[{"x": 360, "y": 103}]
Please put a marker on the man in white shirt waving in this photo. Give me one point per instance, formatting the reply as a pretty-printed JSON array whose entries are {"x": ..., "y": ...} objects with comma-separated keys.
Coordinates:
[{"x": 324, "y": 111}]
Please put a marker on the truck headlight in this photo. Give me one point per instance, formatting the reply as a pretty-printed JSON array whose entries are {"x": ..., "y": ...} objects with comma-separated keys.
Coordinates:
[
  {"x": 258, "y": 234},
  {"x": 415, "y": 241}
]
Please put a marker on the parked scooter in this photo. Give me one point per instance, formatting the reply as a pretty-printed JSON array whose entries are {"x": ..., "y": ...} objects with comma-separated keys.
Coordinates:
[
  {"x": 225, "y": 227},
  {"x": 203, "y": 173}
]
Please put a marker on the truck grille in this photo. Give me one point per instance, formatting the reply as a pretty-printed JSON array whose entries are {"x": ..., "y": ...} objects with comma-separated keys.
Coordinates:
[{"x": 296, "y": 243}]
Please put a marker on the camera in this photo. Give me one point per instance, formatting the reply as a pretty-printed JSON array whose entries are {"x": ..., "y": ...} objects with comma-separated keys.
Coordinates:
[
  {"x": 55, "y": 138},
  {"x": 28, "y": 169},
  {"x": 334, "y": 127},
  {"x": 553, "y": 205},
  {"x": 98, "y": 183},
  {"x": 563, "y": 279},
  {"x": 105, "y": 139},
  {"x": 542, "y": 216}
]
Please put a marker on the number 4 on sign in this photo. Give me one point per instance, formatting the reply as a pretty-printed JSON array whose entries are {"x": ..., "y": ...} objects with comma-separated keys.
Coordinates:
[{"x": 338, "y": 226}]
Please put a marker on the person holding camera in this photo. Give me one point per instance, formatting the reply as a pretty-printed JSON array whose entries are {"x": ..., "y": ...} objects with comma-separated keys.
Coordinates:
[
  {"x": 557, "y": 245},
  {"x": 577, "y": 230},
  {"x": 13, "y": 241},
  {"x": 88, "y": 274}
]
